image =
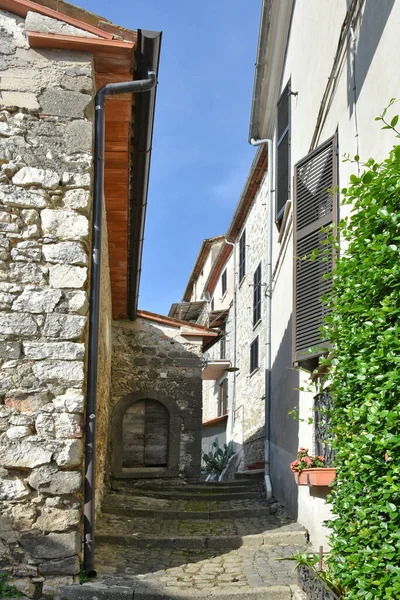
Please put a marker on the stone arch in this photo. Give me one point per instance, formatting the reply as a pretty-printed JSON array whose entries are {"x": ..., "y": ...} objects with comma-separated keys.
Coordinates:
[{"x": 120, "y": 409}]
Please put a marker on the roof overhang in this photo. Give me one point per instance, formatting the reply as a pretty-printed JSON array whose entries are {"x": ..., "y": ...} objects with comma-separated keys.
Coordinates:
[
  {"x": 187, "y": 311},
  {"x": 214, "y": 369},
  {"x": 217, "y": 421},
  {"x": 199, "y": 264},
  {"x": 273, "y": 37}
]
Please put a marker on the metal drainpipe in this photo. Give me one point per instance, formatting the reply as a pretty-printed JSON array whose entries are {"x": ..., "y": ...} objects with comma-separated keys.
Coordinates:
[
  {"x": 142, "y": 85},
  {"x": 268, "y": 311},
  {"x": 232, "y": 415}
]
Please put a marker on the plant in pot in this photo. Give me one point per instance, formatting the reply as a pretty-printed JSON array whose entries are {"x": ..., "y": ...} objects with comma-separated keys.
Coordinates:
[
  {"x": 315, "y": 577},
  {"x": 311, "y": 470},
  {"x": 217, "y": 459}
]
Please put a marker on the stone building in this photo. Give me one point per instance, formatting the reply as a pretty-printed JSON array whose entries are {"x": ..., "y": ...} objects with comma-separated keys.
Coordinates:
[{"x": 68, "y": 296}]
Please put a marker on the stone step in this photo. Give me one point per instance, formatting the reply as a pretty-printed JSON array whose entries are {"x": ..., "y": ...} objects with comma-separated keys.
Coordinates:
[
  {"x": 146, "y": 591},
  {"x": 200, "y": 495},
  {"x": 205, "y": 488},
  {"x": 253, "y": 474},
  {"x": 142, "y": 506},
  {"x": 212, "y": 542}
]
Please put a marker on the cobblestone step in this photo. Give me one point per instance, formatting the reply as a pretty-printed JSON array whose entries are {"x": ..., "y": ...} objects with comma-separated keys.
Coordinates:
[
  {"x": 233, "y": 485},
  {"x": 252, "y": 475},
  {"x": 143, "y": 506},
  {"x": 200, "y": 494}
]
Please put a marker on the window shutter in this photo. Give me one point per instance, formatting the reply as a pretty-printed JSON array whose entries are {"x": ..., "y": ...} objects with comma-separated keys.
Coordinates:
[
  {"x": 242, "y": 256},
  {"x": 283, "y": 152},
  {"x": 314, "y": 208},
  {"x": 257, "y": 295}
]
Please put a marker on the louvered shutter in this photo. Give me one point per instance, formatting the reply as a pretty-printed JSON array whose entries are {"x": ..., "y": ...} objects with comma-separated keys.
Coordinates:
[
  {"x": 314, "y": 208},
  {"x": 282, "y": 152}
]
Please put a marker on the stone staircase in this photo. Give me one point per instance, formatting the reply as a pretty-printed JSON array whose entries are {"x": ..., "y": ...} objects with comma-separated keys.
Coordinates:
[{"x": 174, "y": 541}]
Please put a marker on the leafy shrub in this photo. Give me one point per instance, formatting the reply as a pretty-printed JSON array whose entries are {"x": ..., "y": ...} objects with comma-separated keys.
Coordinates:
[
  {"x": 217, "y": 460},
  {"x": 364, "y": 328},
  {"x": 6, "y": 590}
]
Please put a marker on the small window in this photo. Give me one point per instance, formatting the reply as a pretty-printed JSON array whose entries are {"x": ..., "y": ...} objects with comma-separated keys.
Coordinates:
[
  {"x": 257, "y": 295},
  {"x": 222, "y": 344},
  {"x": 242, "y": 256},
  {"x": 254, "y": 364},
  {"x": 223, "y": 398},
  {"x": 224, "y": 282}
]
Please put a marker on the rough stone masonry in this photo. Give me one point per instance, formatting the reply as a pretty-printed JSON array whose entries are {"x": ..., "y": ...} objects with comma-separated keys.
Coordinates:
[{"x": 46, "y": 123}]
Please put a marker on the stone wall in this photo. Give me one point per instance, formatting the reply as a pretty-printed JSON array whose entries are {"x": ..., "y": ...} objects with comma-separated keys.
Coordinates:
[
  {"x": 45, "y": 180},
  {"x": 155, "y": 358}
]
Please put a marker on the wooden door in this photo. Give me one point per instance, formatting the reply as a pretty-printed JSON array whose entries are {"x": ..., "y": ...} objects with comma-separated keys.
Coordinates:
[{"x": 145, "y": 435}]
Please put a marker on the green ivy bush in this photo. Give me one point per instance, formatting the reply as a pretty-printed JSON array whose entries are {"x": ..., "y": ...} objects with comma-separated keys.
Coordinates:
[{"x": 364, "y": 330}]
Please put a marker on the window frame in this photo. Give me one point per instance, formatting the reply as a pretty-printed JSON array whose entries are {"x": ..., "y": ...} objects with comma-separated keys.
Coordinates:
[
  {"x": 224, "y": 282},
  {"x": 223, "y": 397},
  {"x": 257, "y": 296},
  {"x": 255, "y": 354},
  {"x": 242, "y": 256}
]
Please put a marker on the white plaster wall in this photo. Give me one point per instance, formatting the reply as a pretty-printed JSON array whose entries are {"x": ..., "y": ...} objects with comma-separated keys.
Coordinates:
[
  {"x": 223, "y": 301},
  {"x": 313, "y": 41}
]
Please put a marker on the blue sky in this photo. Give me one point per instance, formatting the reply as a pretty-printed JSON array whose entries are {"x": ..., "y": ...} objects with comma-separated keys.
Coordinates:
[{"x": 201, "y": 156}]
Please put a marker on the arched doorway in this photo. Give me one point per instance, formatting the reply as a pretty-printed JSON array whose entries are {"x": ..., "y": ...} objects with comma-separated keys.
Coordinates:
[{"x": 145, "y": 434}]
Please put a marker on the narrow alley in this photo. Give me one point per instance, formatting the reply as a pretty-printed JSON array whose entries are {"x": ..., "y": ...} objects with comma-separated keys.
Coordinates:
[{"x": 171, "y": 540}]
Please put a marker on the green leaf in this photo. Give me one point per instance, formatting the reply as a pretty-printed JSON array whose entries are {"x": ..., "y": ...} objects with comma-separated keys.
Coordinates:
[{"x": 394, "y": 121}]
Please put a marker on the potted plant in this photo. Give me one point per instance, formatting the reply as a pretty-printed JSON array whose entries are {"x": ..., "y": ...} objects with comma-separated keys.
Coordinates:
[
  {"x": 311, "y": 470},
  {"x": 314, "y": 577}
]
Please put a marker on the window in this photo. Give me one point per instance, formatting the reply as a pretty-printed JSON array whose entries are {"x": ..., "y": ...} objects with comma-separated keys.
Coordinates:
[
  {"x": 315, "y": 207},
  {"x": 257, "y": 295},
  {"x": 283, "y": 152},
  {"x": 242, "y": 256},
  {"x": 222, "y": 344},
  {"x": 223, "y": 398},
  {"x": 254, "y": 355},
  {"x": 212, "y": 305},
  {"x": 223, "y": 282}
]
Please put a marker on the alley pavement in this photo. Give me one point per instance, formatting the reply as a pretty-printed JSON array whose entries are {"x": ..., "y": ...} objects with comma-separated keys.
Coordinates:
[{"x": 172, "y": 541}]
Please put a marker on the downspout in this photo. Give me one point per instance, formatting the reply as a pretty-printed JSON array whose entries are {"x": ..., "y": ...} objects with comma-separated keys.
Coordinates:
[
  {"x": 268, "y": 313},
  {"x": 110, "y": 89},
  {"x": 232, "y": 415}
]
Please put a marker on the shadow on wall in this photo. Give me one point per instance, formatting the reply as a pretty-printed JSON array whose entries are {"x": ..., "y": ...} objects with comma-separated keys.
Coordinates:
[
  {"x": 284, "y": 429},
  {"x": 373, "y": 21}
]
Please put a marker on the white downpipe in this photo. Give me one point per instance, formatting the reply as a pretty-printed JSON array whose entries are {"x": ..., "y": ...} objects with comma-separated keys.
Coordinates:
[
  {"x": 268, "y": 310},
  {"x": 232, "y": 412}
]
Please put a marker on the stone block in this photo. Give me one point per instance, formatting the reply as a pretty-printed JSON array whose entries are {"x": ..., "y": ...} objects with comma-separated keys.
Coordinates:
[
  {"x": 57, "y": 372},
  {"x": 54, "y": 350},
  {"x": 62, "y": 326},
  {"x": 77, "y": 200},
  {"x": 30, "y": 176},
  {"x": 50, "y": 480},
  {"x": 64, "y": 224},
  {"x": 77, "y": 302},
  {"x": 24, "y": 586},
  {"x": 22, "y": 198},
  {"x": 65, "y": 566},
  {"x": 37, "y": 300},
  {"x": 72, "y": 401},
  {"x": 25, "y": 454},
  {"x": 12, "y": 36},
  {"x": 10, "y": 349},
  {"x": 71, "y": 253},
  {"x": 63, "y": 103},
  {"x": 27, "y": 252},
  {"x": 25, "y": 402},
  {"x": 24, "y": 273},
  {"x": 51, "y": 586},
  {"x": 44, "y": 425},
  {"x": 55, "y": 519},
  {"x": 53, "y": 545},
  {"x": 18, "y": 100},
  {"x": 79, "y": 136},
  {"x": 69, "y": 453},
  {"x": 68, "y": 425},
  {"x": 17, "y": 324},
  {"x": 67, "y": 276},
  {"x": 76, "y": 180},
  {"x": 18, "y": 432},
  {"x": 12, "y": 489}
]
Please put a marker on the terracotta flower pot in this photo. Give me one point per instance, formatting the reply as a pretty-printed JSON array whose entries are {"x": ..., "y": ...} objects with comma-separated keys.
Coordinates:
[
  {"x": 300, "y": 477},
  {"x": 321, "y": 477}
]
